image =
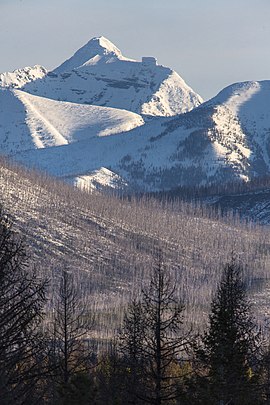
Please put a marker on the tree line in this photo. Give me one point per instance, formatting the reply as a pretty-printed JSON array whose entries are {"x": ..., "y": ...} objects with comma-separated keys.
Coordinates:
[{"x": 154, "y": 358}]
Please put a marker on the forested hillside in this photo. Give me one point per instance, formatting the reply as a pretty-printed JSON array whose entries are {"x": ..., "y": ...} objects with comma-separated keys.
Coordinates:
[
  {"x": 112, "y": 300},
  {"x": 110, "y": 243}
]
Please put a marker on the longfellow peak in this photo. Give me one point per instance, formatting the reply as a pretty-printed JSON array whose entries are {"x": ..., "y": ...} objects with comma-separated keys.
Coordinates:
[
  {"x": 104, "y": 43},
  {"x": 97, "y": 46}
]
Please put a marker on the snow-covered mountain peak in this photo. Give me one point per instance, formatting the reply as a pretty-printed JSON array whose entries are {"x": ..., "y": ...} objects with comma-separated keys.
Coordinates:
[
  {"x": 91, "y": 53},
  {"x": 19, "y": 77},
  {"x": 104, "y": 44},
  {"x": 98, "y": 74}
]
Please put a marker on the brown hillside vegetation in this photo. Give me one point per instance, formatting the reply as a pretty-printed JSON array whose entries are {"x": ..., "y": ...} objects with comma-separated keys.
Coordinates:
[{"x": 110, "y": 243}]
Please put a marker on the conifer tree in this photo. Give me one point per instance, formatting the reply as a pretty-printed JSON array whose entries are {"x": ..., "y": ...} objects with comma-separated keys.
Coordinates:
[
  {"x": 131, "y": 340},
  {"x": 230, "y": 343}
]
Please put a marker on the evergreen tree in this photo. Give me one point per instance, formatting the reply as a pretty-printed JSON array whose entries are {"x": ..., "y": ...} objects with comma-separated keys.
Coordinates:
[
  {"x": 131, "y": 342},
  {"x": 230, "y": 343},
  {"x": 112, "y": 377},
  {"x": 265, "y": 375}
]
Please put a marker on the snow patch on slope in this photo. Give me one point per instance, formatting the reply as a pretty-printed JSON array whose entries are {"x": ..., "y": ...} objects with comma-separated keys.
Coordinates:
[
  {"x": 98, "y": 180},
  {"x": 75, "y": 122},
  {"x": 230, "y": 138}
]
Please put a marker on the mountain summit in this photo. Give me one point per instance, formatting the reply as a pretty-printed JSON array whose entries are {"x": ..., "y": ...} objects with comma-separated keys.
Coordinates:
[
  {"x": 98, "y": 74},
  {"x": 94, "y": 50}
]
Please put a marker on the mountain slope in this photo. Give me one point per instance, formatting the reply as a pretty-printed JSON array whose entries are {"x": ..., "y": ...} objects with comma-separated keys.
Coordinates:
[
  {"x": 212, "y": 143},
  {"x": 29, "y": 122},
  {"x": 221, "y": 140},
  {"x": 111, "y": 243},
  {"x": 224, "y": 139},
  {"x": 99, "y": 74}
]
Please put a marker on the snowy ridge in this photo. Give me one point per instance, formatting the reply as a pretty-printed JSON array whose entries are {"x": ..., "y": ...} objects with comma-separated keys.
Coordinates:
[
  {"x": 99, "y": 180},
  {"x": 30, "y": 122},
  {"x": 20, "y": 77},
  {"x": 242, "y": 119}
]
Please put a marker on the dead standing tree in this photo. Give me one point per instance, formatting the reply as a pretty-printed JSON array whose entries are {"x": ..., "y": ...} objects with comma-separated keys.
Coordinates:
[
  {"x": 159, "y": 339},
  {"x": 72, "y": 326},
  {"x": 22, "y": 298}
]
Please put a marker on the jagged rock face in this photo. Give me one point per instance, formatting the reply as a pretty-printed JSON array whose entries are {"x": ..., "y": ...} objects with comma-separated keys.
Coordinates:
[{"x": 98, "y": 74}]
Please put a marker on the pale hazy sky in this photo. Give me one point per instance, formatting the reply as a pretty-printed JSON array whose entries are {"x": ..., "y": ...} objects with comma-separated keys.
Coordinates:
[{"x": 210, "y": 43}]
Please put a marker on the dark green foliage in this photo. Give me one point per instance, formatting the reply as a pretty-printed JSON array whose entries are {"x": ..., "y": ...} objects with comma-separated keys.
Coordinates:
[
  {"x": 132, "y": 350},
  {"x": 230, "y": 344},
  {"x": 264, "y": 374},
  {"x": 112, "y": 377},
  {"x": 80, "y": 390}
]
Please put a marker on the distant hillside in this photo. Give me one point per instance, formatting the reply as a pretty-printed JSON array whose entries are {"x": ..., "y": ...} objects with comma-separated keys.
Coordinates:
[{"x": 248, "y": 201}]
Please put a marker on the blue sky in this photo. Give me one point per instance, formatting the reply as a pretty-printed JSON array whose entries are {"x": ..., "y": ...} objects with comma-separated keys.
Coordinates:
[{"x": 210, "y": 43}]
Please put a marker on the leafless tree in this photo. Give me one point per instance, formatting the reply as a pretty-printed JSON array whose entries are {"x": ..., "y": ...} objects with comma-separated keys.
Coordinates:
[
  {"x": 71, "y": 330},
  {"x": 153, "y": 337},
  {"x": 22, "y": 298}
]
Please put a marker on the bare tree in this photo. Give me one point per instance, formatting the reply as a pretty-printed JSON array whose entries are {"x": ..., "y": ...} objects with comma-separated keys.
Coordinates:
[
  {"x": 22, "y": 298},
  {"x": 153, "y": 334},
  {"x": 71, "y": 331}
]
